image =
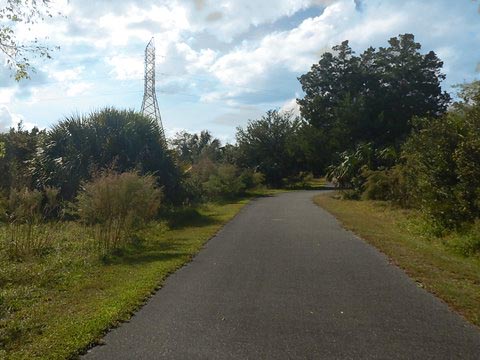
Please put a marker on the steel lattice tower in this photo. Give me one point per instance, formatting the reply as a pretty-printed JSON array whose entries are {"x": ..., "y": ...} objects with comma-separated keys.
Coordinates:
[{"x": 149, "y": 103}]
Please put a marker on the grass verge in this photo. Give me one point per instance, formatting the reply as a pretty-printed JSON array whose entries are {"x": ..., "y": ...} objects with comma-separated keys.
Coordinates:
[
  {"x": 428, "y": 260},
  {"x": 56, "y": 305}
]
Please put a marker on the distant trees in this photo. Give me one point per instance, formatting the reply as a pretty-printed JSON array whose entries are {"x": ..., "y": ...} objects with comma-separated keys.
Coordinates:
[
  {"x": 18, "y": 147},
  {"x": 191, "y": 147},
  {"x": 371, "y": 98},
  {"x": 272, "y": 145}
]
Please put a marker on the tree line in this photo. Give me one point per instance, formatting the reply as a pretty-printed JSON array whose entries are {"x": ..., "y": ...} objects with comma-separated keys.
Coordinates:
[{"x": 377, "y": 124}]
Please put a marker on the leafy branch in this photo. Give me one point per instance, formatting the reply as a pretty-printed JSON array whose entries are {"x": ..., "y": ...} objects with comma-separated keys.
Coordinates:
[{"x": 18, "y": 54}]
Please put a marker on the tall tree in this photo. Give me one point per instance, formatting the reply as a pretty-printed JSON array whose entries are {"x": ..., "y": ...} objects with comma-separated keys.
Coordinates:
[
  {"x": 371, "y": 98},
  {"x": 271, "y": 145}
]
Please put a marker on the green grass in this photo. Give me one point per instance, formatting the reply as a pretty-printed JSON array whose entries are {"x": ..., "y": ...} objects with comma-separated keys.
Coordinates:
[
  {"x": 56, "y": 305},
  {"x": 428, "y": 260}
]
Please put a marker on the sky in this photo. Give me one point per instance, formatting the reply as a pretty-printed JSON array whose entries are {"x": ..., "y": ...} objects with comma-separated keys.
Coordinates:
[{"x": 219, "y": 63}]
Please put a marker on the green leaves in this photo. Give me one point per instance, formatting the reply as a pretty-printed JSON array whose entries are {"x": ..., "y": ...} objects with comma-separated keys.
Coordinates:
[
  {"x": 372, "y": 97},
  {"x": 272, "y": 145},
  {"x": 19, "y": 53},
  {"x": 79, "y": 146}
]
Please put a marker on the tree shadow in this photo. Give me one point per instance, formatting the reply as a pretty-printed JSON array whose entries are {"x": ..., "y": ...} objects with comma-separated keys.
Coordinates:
[
  {"x": 143, "y": 252},
  {"x": 186, "y": 218}
]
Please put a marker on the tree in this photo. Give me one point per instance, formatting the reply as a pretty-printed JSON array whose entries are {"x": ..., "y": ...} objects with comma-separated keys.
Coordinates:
[
  {"x": 19, "y": 148},
  {"x": 18, "y": 54},
  {"x": 191, "y": 147},
  {"x": 371, "y": 98},
  {"x": 270, "y": 145},
  {"x": 442, "y": 156},
  {"x": 78, "y": 147}
]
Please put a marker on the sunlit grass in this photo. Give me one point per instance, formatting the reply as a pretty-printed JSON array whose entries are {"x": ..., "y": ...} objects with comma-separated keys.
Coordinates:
[{"x": 53, "y": 306}]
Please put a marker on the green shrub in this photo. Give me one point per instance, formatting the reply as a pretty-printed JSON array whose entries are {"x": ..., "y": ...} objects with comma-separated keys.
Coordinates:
[
  {"x": 467, "y": 242},
  {"x": 225, "y": 183},
  {"x": 442, "y": 158},
  {"x": 207, "y": 180},
  {"x": 347, "y": 174},
  {"x": 117, "y": 205},
  {"x": 388, "y": 184},
  {"x": 3, "y": 208},
  {"x": 252, "y": 179},
  {"x": 300, "y": 181}
]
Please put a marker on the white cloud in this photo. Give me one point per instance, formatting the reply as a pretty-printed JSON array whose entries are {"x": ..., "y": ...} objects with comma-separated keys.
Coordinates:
[
  {"x": 230, "y": 53},
  {"x": 68, "y": 74},
  {"x": 6, "y": 119},
  {"x": 291, "y": 106},
  {"x": 227, "y": 19},
  {"x": 294, "y": 49},
  {"x": 9, "y": 120},
  {"x": 78, "y": 88},
  {"x": 124, "y": 68}
]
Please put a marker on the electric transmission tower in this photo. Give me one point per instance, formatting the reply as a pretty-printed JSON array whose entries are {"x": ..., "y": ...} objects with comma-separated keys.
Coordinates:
[{"x": 149, "y": 103}]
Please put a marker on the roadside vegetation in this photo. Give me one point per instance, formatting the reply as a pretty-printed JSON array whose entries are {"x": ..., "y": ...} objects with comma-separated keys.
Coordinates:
[
  {"x": 98, "y": 209},
  {"x": 94, "y": 214}
]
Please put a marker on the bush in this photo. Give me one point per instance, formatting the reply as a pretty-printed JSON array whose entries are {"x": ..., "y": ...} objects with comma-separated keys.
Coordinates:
[
  {"x": 225, "y": 182},
  {"x": 272, "y": 145},
  {"x": 117, "y": 205},
  {"x": 467, "y": 242},
  {"x": 78, "y": 147},
  {"x": 26, "y": 232},
  {"x": 252, "y": 179},
  {"x": 389, "y": 184},
  {"x": 442, "y": 157},
  {"x": 347, "y": 174}
]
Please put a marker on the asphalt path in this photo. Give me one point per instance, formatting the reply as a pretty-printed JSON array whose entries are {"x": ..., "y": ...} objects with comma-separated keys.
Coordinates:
[{"x": 283, "y": 280}]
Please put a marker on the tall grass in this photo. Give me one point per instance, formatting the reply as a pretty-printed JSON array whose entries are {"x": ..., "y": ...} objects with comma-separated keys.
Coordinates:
[
  {"x": 116, "y": 205},
  {"x": 26, "y": 232}
]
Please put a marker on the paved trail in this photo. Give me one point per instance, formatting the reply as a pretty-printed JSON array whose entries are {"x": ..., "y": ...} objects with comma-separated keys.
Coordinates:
[{"x": 283, "y": 280}]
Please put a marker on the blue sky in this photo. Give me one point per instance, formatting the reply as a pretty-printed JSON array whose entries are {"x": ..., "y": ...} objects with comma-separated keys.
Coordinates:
[{"x": 219, "y": 62}]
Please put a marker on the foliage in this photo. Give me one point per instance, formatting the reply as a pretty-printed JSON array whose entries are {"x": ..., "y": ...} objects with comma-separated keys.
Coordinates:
[
  {"x": 190, "y": 148},
  {"x": 26, "y": 232},
  {"x": 117, "y": 205},
  {"x": 79, "y": 146},
  {"x": 372, "y": 97},
  {"x": 224, "y": 183},
  {"x": 443, "y": 158},
  {"x": 390, "y": 184},
  {"x": 271, "y": 146},
  {"x": 347, "y": 173},
  {"x": 19, "y": 148},
  {"x": 17, "y": 52},
  {"x": 302, "y": 180},
  {"x": 219, "y": 181},
  {"x": 466, "y": 241}
]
